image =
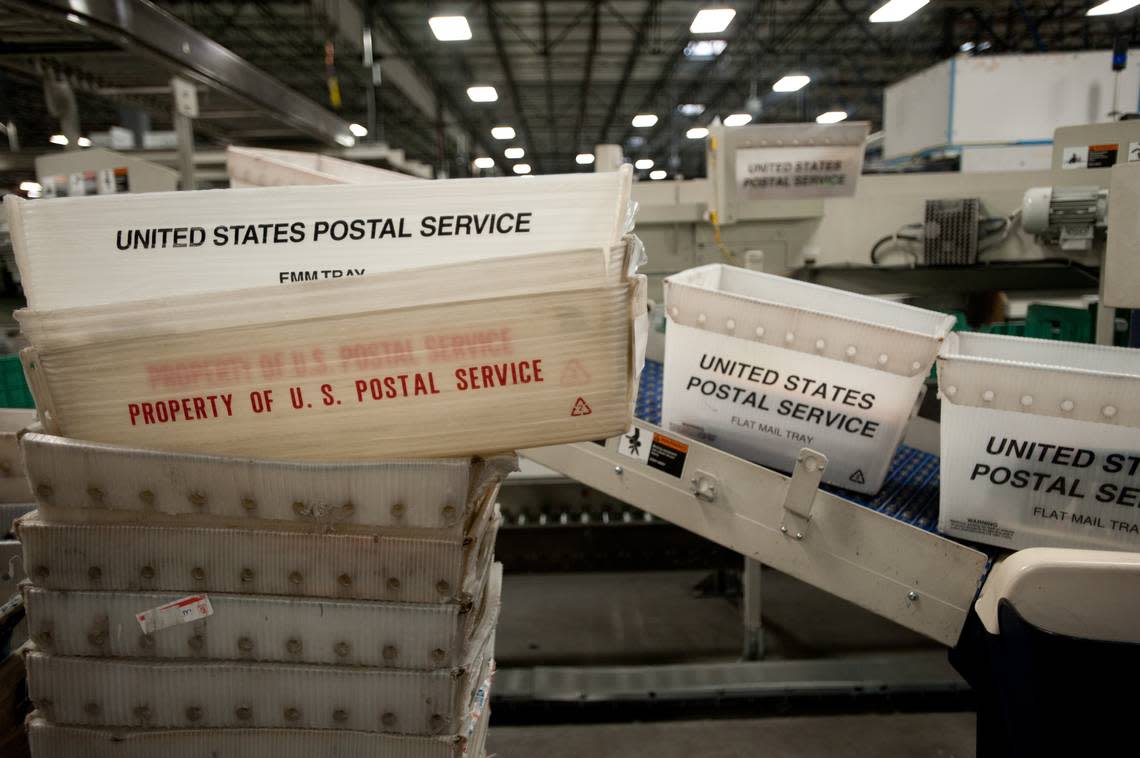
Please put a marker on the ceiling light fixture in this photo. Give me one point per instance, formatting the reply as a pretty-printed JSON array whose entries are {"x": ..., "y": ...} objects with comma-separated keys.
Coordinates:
[
  {"x": 737, "y": 119},
  {"x": 791, "y": 83},
  {"x": 482, "y": 94},
  {"x": 358, "y": 130},
  {"x": 643, "y": 163},
  {"x": 705, "y": 49},
  {"x": 712, "y": 20},
  {"x": 644, "y": 120},
  {"x": 58, "y": 139},
  {"x": 503, "y": 132},
  {"x": 31, "y": 187},
  {"x": 1111, "y": 7},
  {"x": 83, "y": 142},
  {"x": 484, "y": 162},
  {"x": 658, "y": 175},
  {"x": 896, "y": 10},
  {"x": 450, "y": 28},
  {"x": 584, "y": 159},
  {"x": 691, "y": 109},
  {"x": 514, "y": 153},
  {"x": 831, "y": 117},
  {"x": 521, "y": 168},
  {"x": 697, "y": 132}
]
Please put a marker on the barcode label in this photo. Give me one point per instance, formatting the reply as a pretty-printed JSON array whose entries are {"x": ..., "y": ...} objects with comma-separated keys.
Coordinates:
[{"x": 181, "y": 611}]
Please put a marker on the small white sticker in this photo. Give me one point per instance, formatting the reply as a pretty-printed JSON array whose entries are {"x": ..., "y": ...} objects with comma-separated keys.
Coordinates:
[
  {"x": 1134, "y": 151},
  {"x": 1075, "y": 157},
  {"x": 181, "y": 611}
]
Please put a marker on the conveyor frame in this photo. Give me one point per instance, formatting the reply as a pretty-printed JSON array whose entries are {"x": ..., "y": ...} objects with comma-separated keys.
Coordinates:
[{"x": 920, "y": 580}]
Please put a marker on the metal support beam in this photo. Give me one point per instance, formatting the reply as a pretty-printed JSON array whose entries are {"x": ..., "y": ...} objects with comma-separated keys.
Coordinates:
[
  {"x": 864, "y": 29},
  {"x": 639, "y": 38},
  {"x": 753, "y": 622},
  {"x": 587, "y": 76},
  {"x": 547, "y": 74},
  {"x": 423, "y": 67},
  {"x": 1031, "y": 26},
  {"x": 512, "y": 83},
  {"x": 920, "y": 580},
  {"x": 160, "y": 37},
  {"x": 184, "y": 112},
  {"x": 744, "y": 28}
]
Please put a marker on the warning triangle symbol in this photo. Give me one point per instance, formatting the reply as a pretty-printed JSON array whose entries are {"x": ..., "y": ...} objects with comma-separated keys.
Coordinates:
[
  {"x": 581, "y": 408},
  {"x": 575, "y": 374},
  {"x": 857, "y": 477}
]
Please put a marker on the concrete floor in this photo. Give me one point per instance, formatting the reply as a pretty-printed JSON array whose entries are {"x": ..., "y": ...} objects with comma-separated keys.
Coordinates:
[
  {"x": 657, "y": 617},
  {"x": 925, "y": 735}
]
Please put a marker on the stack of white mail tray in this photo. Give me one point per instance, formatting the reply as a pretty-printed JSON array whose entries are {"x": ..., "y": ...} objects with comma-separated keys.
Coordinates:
[
  {"x": 180, "y": 603},
  {"x": 273, "y": 423}
]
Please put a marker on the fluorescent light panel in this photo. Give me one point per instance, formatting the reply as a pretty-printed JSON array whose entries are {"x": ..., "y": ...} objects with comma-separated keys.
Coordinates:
[
  {"x": 482, "y": 94},
  {"x": 83, "y": 142},
  {"x": 521, "y": 168},
  {"x": 791, "y": 83},
  {"x": 1111, "y": 7},
  {"x": 897, "y": 10},
  {"x": 691, "y": 109},
  {"x": 643, "y": 163},
  {"x": 450, "y": 28},
  {"x": 514, "y": 153},
  {"x": 712, "y": 20},
  {"x": 644, "y": 120},
  {"x": 584, "y": 159},
  {"x": 833, "y": 117},
  {"x": 31, "y": 187},
  {"x": 737, "y": 119},
  {"x": 658, "y": 175},
  {"x": 58, "y": 139},
  {"x": 503, "y": 132},
  {"x": 358, "y": 130},
  {"x": 484, "y": 162},
  {"x": 705, "y": 49},
  {"x": 697, "y": 132}
]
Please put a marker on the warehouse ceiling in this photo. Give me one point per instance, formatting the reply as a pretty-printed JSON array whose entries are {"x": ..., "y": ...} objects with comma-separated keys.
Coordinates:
[{"x": 569, "y": 74}]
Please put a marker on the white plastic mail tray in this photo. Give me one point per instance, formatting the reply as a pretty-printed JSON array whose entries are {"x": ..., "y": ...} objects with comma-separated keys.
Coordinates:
[
  {"x": 478, "y": 358},
  {"x": 761, "y": 366},
  {"x": 210, "y": 694},
  {"x": 266, "y": 628},
  {"x": 189, "y": 559},
  {"x": 75, "y": 252},
  {"x": 1040, "y": 442},
  {"x": 86, "y": 481},
  {"x": 55, "y": 741}
]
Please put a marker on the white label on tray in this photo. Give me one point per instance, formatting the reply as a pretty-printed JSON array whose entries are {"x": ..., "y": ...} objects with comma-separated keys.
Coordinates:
[
  {"x": 181, "y": 611},
  {"x": 797, "y": 172},
  {"x": 1018, "y": 480},
  {"x": 765, "y": 403}
]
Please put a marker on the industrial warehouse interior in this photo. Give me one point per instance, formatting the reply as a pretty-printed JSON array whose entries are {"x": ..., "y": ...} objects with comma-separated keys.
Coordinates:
[{"x": 562, "y": 378}]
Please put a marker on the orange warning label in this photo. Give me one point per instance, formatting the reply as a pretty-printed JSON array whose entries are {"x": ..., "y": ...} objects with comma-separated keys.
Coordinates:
[
  {"x": 661, "y": 439},
  {"x": 581, "y": 408}
]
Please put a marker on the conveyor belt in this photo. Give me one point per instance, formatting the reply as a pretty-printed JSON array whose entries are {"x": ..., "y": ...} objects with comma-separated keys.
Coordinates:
[{"x": 909, "y": 493}]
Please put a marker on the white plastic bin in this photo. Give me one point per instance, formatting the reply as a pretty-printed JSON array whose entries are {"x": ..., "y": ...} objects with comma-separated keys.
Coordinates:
[
  {"x": 266, "y": 628},
  {"x": 1040, "y": 442},
  {"x": 77, "y": 481},
  {"x": 762, "y": 366}
]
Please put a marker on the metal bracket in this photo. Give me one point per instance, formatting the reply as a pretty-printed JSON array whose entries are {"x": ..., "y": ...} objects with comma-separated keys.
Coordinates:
[
  {"x": 800, "y": 494},
  {"x": 704, "y": 486}
]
